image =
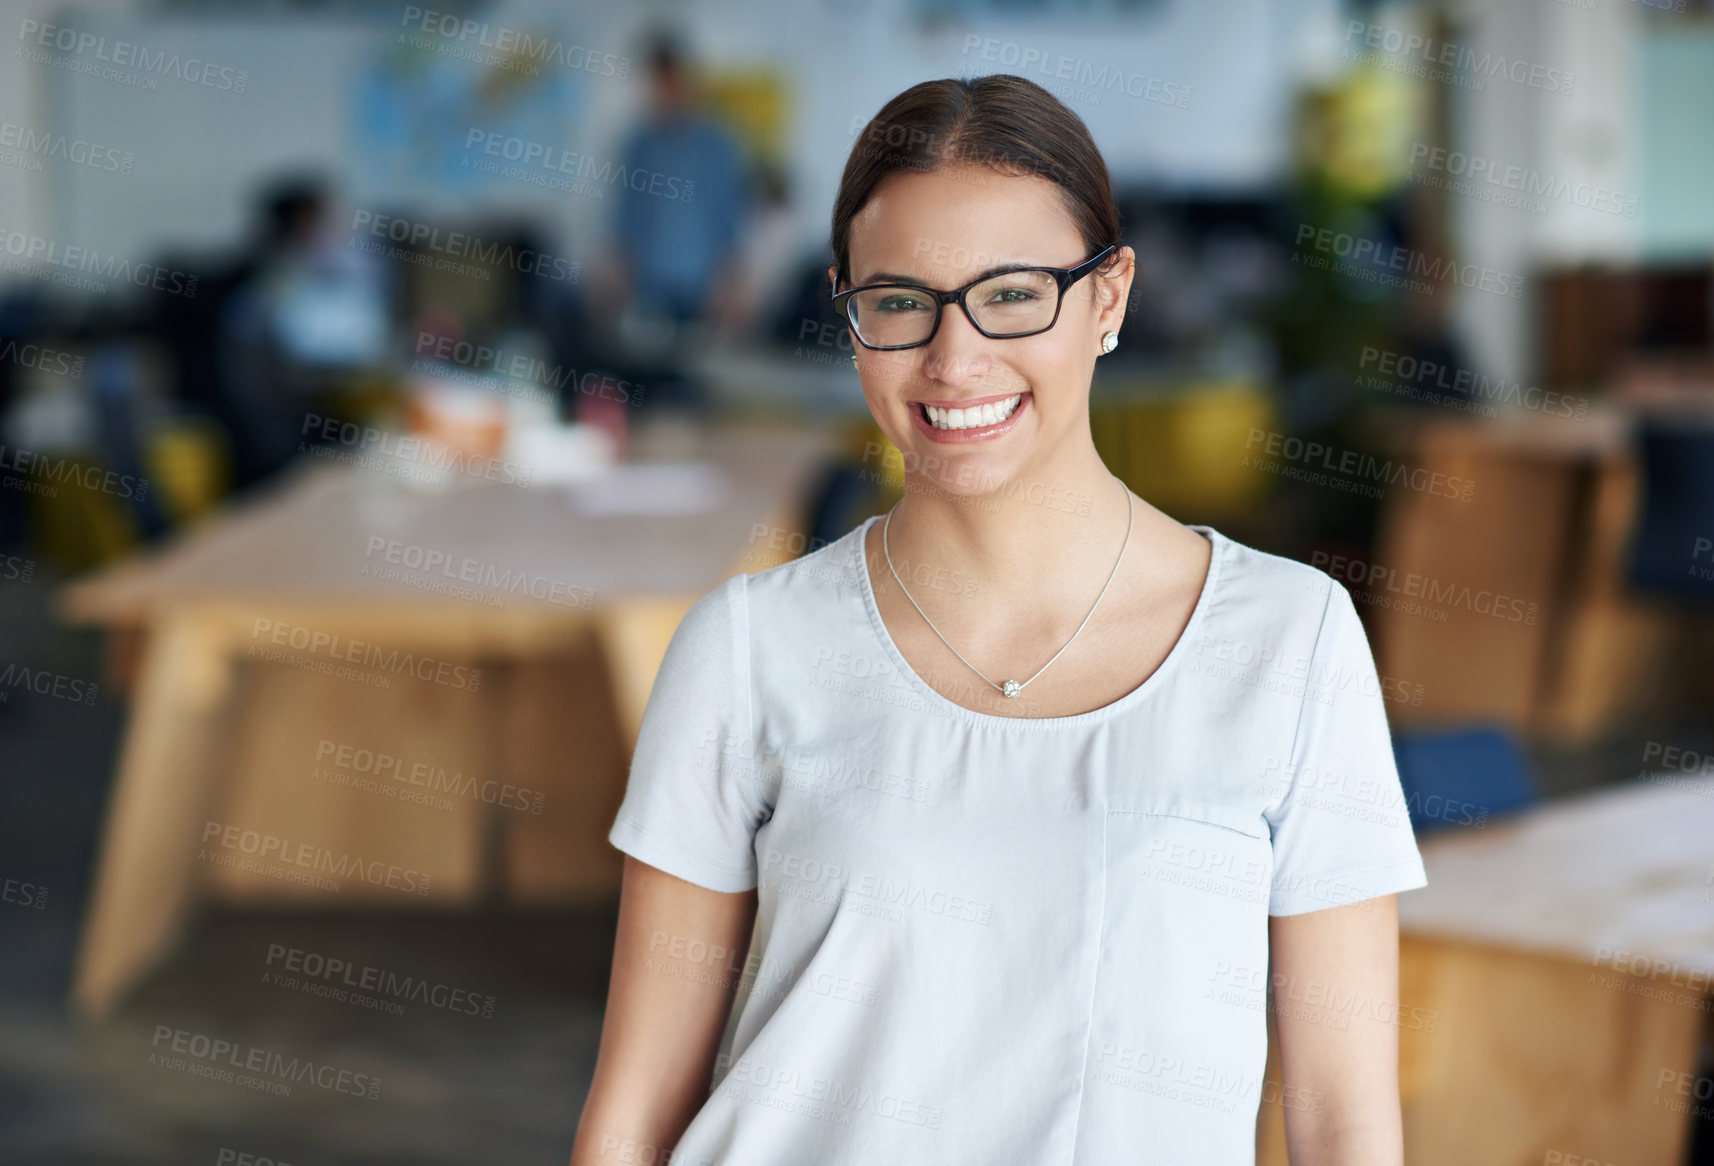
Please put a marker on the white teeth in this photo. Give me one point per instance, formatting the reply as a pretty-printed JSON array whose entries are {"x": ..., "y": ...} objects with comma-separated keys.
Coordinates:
[{"x": 973, "y": 418}]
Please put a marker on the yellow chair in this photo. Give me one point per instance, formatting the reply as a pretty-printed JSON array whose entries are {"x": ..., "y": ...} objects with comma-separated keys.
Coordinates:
[
  {"x": 190, "y": 465},
  {"x": 1184, "y": 450}
]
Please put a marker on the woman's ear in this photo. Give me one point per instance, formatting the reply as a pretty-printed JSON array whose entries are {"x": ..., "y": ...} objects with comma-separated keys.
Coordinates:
[
  {"x": 1116, "y": 287},
  {"x": 833, "y": 279}
]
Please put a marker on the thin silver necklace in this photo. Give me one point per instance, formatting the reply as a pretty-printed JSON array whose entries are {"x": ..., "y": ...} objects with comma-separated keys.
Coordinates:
[{"x": 1013, "y": 687}]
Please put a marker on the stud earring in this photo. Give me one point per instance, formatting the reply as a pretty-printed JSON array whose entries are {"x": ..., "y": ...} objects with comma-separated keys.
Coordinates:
[
  {"x": 1109, "y": 342},
  {"x": 853, "y": 360}
]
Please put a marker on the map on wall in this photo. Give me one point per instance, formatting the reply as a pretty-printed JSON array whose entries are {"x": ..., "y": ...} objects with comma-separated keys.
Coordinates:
[{"x": 456, "y": 115}]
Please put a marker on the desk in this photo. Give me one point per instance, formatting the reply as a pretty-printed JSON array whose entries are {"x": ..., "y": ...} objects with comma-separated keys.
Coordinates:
[
  {"x": 433, "y": 692},
  {"x": 1568, "y": 956}
]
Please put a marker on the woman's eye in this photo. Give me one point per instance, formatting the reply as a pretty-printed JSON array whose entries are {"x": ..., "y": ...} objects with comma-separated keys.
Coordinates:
[
  {"x": 899, "y": 303},
  {"x": 1012, "y": 295}
]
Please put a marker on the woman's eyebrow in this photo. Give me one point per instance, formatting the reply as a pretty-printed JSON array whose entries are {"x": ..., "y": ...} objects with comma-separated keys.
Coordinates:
[{"x": 895, "y": 277}]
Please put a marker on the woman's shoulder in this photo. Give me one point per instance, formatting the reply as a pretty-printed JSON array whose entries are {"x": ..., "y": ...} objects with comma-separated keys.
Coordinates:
[
  {"x": 826, "y": 575},
  {"x": 1266, "y": 596}
]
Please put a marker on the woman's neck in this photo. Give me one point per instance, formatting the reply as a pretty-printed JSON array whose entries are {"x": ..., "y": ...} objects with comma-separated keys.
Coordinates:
[{"x": 1044, "y": 535}]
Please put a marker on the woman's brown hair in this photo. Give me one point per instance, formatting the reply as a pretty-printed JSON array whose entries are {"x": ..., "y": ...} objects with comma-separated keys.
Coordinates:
[{"x": 1004, "y": 122}]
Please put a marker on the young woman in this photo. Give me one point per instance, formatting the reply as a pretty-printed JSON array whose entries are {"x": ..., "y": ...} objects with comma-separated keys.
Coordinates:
[{"x": 999, "y": 817}]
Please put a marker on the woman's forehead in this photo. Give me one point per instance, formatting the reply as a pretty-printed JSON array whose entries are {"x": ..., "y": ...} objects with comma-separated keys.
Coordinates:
[{"x": 954, "y": 220}]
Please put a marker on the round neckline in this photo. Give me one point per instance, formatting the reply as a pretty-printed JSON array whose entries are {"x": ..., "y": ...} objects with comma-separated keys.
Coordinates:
[{"x": 1112, "y": 708}]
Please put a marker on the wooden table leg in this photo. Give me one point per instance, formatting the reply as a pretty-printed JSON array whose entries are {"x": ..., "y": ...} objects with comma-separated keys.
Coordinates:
[
  {"x": 634, "y": 634},
  {"x": 145, "y": 884}
]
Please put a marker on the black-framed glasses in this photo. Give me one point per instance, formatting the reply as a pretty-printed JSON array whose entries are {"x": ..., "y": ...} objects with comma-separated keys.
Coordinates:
[{"x": 1002, "y": 306}]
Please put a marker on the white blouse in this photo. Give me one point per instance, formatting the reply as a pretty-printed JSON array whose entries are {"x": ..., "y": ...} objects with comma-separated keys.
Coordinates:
[{"x": 985, "y": 939}]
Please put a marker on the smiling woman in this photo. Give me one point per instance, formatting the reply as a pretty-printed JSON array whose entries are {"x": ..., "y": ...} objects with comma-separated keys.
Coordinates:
[{"x": 880, "y": 906}]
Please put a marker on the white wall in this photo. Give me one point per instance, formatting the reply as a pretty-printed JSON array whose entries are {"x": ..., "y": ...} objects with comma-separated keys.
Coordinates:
[
  {"x": 197, "y": 151},
  {"x": 1675, "y": 117}
]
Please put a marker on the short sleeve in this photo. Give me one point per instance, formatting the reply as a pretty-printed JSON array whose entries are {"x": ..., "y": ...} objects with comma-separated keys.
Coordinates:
[
  {"x": 692, "y": 805},
  {"x": 1341, "y": 828}
]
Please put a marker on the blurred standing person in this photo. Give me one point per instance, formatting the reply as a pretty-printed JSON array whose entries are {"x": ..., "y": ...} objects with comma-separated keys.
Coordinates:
[{"x": 683, "y": 198}]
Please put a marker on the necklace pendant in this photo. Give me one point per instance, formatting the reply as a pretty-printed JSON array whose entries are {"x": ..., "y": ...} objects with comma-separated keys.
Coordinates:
[{"x": 1011, "y": 688}]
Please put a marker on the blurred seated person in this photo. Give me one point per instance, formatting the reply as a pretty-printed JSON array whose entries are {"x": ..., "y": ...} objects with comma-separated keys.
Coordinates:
[
  {"x": 302, "y": 308},
  {"x": 771, "y": 255}
]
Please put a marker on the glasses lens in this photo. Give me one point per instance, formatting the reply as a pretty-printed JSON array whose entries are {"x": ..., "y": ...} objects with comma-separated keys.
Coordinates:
[
  {"x": 1014, "y": 303},
  {"x": 885, "y": 316}
]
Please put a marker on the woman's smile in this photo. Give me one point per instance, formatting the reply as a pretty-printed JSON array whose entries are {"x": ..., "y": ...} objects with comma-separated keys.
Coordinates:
[{"x": 951, "y": 421}]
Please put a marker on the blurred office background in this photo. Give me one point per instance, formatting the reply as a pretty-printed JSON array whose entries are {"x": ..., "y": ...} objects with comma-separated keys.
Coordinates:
[{"x": 493, "y": 334}]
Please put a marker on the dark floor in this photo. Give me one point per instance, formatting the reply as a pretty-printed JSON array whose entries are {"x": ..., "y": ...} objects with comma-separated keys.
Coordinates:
[{"x": 454, "y": 1087}]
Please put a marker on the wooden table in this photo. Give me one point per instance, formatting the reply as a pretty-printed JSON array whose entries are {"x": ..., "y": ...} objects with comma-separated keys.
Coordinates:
[
  {"x": 1571, "y": 654},
  {"x": 499, "y": 641},
  {"x": 1567, "y": 957}
]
